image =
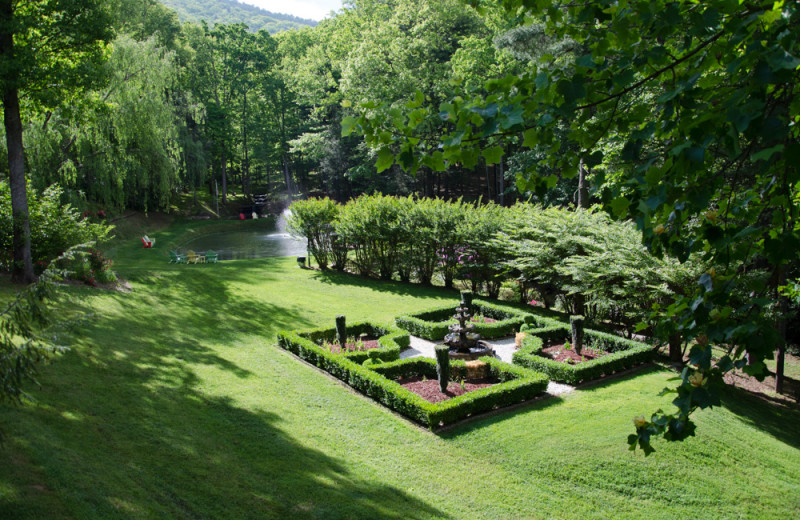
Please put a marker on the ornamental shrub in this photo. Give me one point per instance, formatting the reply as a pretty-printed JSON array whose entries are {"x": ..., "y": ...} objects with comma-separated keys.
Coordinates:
[
  {"x": 55, "y": 227},
  {"x": 434, "y": 228},
  {"x": 391, "y": 341},
  {"x": 373, "y": 226},
  {"x": 314, "y": 219},
  {"x": 481, "y": 257},
  {"x": 443, "y": 366}
]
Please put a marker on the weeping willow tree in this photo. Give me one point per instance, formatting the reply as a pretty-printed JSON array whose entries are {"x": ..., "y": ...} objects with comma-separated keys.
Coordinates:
[{"x": 119, "y": 146}]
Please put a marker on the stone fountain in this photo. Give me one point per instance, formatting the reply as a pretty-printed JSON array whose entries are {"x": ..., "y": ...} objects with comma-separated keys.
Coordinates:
[{"x": 463, "y": 343}]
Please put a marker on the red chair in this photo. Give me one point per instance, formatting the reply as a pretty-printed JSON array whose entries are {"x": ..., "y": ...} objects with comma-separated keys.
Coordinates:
[{"x": 147, "y": 242}]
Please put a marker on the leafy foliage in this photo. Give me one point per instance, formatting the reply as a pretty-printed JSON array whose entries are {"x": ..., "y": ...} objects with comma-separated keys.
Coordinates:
[
  {"x": 55, "y": 226},
  {"x": 314, "y": 219},
  {"x": 26, "y": 335},
  {"x": 373, "y": 225}
]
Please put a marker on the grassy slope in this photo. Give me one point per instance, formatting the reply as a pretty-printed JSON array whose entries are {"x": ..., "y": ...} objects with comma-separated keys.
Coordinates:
[{"x": 176, "y": 404}]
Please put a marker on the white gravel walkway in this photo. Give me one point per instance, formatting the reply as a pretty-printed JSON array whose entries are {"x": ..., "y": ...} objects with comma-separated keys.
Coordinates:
[{"x": 503, "y": 349}]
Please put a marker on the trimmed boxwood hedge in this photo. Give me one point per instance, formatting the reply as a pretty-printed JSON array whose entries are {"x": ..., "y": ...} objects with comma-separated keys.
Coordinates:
[
  {"x": 517, "y": 383},
  {"x": 391, "y": 340},
  {"x": 433, "y": 324},
  {"x": 622, "y": 353}
]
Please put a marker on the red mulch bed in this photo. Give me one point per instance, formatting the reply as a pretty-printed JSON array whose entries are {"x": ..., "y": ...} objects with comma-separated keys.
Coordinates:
[
  {"x": 766, "y": 388},
  {"x": 559, "y": 353},
  {"x": 369, "y": 344},
  {"x": 483, "y": 320},
  {"x": 429, "y": 388}
]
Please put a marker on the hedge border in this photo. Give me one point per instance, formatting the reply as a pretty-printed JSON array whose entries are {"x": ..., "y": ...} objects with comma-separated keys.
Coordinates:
[
  {"x": 433, "y": 324},
  {"x": 623, "y": 353},
  {"x": 391, "y": 340},
  {"x": 517, "y": 383}
]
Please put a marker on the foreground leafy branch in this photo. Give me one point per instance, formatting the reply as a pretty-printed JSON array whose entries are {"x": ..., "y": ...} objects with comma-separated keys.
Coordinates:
[{"x": 28, "y": 331}]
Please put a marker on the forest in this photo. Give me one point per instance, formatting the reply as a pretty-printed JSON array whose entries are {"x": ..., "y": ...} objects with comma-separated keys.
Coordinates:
[
  {"x": 180, "y": 106},
  {"x": 215, "y": 12},
  {"x": 679, "y": 118}
]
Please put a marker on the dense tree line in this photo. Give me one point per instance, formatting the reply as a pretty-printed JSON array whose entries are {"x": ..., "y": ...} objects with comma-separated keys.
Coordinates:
[{"x": 179, "y": 106}]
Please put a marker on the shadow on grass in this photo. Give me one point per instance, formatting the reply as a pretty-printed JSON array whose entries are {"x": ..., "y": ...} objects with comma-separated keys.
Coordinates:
[
  {"x": 177, "y": 454},
  {"x": 124, "y": 427},
  {"x": 780, "y": 420},
  {"x": 183, "y": 314}
]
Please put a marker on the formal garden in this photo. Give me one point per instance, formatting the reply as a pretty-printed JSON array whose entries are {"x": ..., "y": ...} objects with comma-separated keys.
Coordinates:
[
  {"x": 202, "y": 413},
  {"x": 411, "y": 259}
]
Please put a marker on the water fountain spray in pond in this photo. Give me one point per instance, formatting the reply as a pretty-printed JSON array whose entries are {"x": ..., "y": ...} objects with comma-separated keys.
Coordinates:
[{"x": 463, "y": 342}]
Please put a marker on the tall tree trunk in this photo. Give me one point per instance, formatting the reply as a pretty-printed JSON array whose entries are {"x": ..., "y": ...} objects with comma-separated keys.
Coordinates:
[
  {"x": 783, "y": 308},
  {"x": 287, "y": 176},
  {"x": 22, "y": 268},
  {"x": 488, "y": 184},
  {"x": 246, "y": 161},
  {"x": 224, "y": 171},
  {"x": 675, "y": 351},
  {"x": 583, "y": 187},
  {"x": 501, "y": 188},
  {"x": 579, "y": 306}
]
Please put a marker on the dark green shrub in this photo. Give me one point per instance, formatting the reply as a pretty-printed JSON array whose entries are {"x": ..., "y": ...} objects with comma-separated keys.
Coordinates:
[
  {"x": 433, "y": 324},
  {"x": 341, "y": 330},
  {"x": 480, "y": 257},
  {"x": 391, "y": 341},
  {"x": 443, "y": 366},
  {"x": 623, "y": 354},
  {"x": 373, "y": 226},
  {"x": 576, "y": 329}
]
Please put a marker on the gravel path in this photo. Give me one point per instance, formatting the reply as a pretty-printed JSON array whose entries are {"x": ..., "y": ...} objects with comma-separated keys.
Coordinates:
[{"x": 503, "y": 349}]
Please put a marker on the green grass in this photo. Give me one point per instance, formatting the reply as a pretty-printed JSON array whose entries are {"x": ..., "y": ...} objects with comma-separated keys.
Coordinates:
[{"x": 175, "y": 403}]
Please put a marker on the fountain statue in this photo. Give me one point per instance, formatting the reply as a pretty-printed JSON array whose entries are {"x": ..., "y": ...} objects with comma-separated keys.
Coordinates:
[{"x": 463, "y": 343}]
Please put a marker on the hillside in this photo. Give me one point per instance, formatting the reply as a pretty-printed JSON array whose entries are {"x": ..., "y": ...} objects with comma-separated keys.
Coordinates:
[{"x": 231, "y": 11}]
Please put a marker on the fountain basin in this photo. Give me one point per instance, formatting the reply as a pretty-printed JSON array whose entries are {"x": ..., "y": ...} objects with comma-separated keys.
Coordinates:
[{"x": 474, "y": 352}]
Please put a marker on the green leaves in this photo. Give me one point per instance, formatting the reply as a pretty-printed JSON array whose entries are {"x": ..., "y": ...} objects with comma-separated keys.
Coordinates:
[
  {"x": 349, "y": 124},
  {"x": 385, "y": 159},
  {"x": 493, "y": 155}
]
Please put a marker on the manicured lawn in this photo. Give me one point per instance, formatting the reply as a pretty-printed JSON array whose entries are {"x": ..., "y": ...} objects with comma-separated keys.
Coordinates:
[{"x": 175, "y": 403}]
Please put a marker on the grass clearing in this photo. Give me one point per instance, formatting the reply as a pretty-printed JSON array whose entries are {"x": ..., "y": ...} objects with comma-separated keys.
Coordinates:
[{"x": 175, "y": 403}]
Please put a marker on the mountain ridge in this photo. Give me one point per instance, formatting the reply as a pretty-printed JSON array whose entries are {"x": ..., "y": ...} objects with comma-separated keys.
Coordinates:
[{"x": 233, "y": 11}]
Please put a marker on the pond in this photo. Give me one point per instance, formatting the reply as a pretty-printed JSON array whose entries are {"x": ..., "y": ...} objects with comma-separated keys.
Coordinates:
[{"x": 264, "y": 242}]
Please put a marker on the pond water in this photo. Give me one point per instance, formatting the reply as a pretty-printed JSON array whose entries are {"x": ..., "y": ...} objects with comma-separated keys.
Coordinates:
[{"x": 260, "y": 243}]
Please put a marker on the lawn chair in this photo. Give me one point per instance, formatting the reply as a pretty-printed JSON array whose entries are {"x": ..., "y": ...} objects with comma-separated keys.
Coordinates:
[
  {"x": 148, "y": 242},
  {"x": 194, "y": 258},
  {"x": 175, "y": 258},
  {"x": 211, "y": 256}
]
